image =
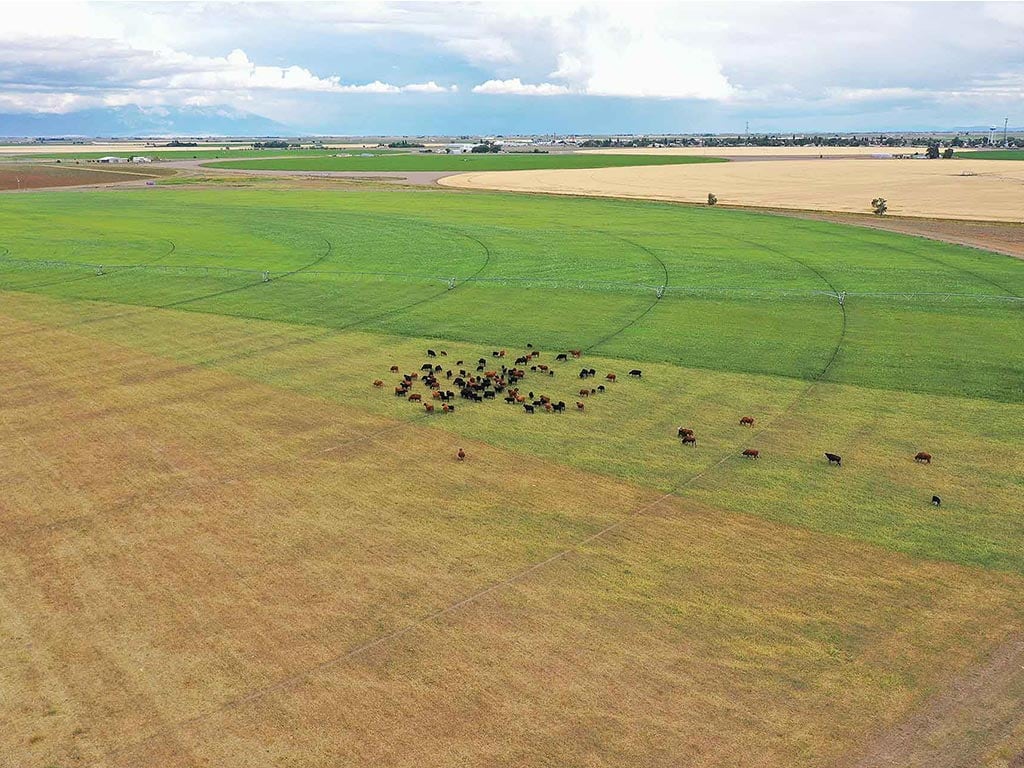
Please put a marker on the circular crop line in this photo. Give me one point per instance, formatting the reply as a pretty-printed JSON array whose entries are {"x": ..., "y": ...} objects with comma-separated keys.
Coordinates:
[
  {"x": 651, "y": 306},
  {"x": 112, "y": 270},
  {"x": 843, "y": 235}
]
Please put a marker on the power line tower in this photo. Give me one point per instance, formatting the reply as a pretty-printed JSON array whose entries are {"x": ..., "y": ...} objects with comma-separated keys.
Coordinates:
[{"x": 1006, "y": 122}]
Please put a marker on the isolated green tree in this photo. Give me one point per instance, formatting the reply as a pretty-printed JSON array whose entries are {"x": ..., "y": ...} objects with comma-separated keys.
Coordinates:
[
  {"x": 879, "y": 206},
  {"x": 947, "y": 153},
  {"x": 933, "y": 152}
]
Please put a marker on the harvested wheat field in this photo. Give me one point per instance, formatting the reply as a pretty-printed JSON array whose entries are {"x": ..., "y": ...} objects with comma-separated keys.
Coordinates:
[
  {"x": 755, "y": 152},
  {"x": 15, "y": 177},
  {"x": 991, "y": 190}
]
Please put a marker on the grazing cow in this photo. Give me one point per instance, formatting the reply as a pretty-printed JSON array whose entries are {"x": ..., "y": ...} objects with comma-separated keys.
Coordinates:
[
  {"x": 636, "y": 372},
  {"x": 436, "y": 394},
  {"x": 542, "y": 367},
  {"x": 545, "y": 399},
  {"x": 535, "y": 353},
  {"x": 752, "y": 453},
  {"x": 520, "y": 399},
  {"x": 482, "y": 361},
  {"x": 576, "y": 353},
  {"x": 415, "y": 397},
  {"x": 438, "y": 368},
  {"x": 443, "y": 353},
  {"x": 394, "y": 369},
  {"x": 936, "y": 501},
  {"x": 592, "y": 372},
  {"x": 445, "y": 408},
  {"x": 510, "y": 399},
  {"x": 548, "y": 407},
  {"x": 407, "y": 377},
  {"x": 533, "y": 368},
  {"x": 489, "y": 394},
  {"x": 600, "y": 387},
  {"x": 414, "y": 375},
  {"x": 746, "y": 421},
  {"x": 584, "y": 393},
  {"x": 560, "y": 406},
  {"x": 580, "y": 406},
  {"x": 502, "y": 353},
  {"x": 495, "y": 353},
  {"x": 834, "y": 459},
  {"x": 460, "y": 362},
  {"x": 923, "y": 457},
  {"x": 529, "y": 346},
  {"x": 690, "y": 440},
  {"x": 427, "y": 367},
  {"x": 584, "y": 373},
  {"x": 561, "y": 357},
  {"x": 448, "y": 374},
  {"x": 400, "y": 391},
  {"x": 528, "y": 408},
  {"x": 684, "y": 431},
  {"x": 428, "y": 407},
  {"x": 610, "y": 377},
  {"x": 378, "y": 383},
  {"x": 522, "y": 360},
  {"x": 461, "y": 455},
  {"x": 431, "y": 353}
]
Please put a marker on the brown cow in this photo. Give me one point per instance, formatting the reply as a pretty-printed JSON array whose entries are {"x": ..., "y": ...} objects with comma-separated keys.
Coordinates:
[
  {"x": 580, "y": 406},
  {"x": 746, "y": 421},
  {"x": 683, "y": 432},
  {"x": 584, "y": 393},
  {"x": 576, "y": 353},
  {"x": 445, "y": 408},
  {"x": 923, "y": 457},
  {"x": 610, "y": 377},
  {"x": 436, "y": 394},
  {"x": 428, "y": 407},
  {"x": 689, "y": 440},
  {"x": 461, "y": 455},
  {"x": 400, "y": 391},
  {"x": 378, "y": 383},
  {"x": 752, "y": 453},
  {"x": 415, "y": 398},
  {"x": 394, "y": 369}
]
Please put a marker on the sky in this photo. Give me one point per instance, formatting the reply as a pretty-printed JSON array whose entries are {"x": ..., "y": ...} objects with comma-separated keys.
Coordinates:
[{"x": 451, "y": 68}]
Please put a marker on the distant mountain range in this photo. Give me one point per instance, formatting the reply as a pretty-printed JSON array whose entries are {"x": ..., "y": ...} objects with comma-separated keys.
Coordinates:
[{"x": 120, "y": 122}]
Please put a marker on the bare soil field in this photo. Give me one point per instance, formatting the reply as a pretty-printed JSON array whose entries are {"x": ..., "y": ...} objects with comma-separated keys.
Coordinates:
[
  {"x": 14, "y": 177},
  {"x": 989, "y": 191}
]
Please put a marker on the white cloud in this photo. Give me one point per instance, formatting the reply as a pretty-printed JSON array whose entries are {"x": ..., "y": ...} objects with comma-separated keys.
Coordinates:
[
  {"x": 516, "y": 87},
  {"x": 430, "y": 87}
]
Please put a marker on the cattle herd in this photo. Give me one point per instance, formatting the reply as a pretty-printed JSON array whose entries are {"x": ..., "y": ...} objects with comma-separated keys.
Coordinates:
[
  {"x": 488, "y": 381},
  {"x": 491, "y": 378}
]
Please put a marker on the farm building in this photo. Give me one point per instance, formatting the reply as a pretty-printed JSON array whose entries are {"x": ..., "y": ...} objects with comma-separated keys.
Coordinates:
[
  {"x": 458, "y": 149},
  {"x": 110, "y": 159},
  {"x": 141, "y": 159}
]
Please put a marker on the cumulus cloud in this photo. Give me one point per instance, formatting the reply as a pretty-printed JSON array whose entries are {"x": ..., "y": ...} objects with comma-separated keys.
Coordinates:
[{"x": 516, "y": 87}]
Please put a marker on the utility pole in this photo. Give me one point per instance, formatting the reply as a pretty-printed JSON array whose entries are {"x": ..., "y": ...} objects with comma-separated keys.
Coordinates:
[
  {"x": 1006, "y": 122},
  {"x": 748, "y": 131}
]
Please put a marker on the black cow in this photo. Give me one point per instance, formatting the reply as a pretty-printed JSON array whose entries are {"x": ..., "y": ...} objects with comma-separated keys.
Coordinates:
[
  {"x": 834, "y": 459},
  {"x": 489, "y": 394},
  {"x": 482, "y": 361},
  {"x": 636, "y": 372},
  {"x": 431, "y": 353},
  {"x": 936, "y": 501},
  {"x": 562, "y": 356},
  {"x": 522, "y": 360},
  {"x": 559, "y": 407},
  {"x": 528, "y": 408}
]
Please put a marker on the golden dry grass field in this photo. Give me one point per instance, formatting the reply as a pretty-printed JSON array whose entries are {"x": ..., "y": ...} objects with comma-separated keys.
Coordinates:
[
  {"x": 222, "y": 545},
  {"x": 989, "y": 190}
]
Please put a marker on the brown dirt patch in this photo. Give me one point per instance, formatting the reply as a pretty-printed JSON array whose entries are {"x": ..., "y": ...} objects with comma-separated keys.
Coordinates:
[{"x": 14, "y": 177}]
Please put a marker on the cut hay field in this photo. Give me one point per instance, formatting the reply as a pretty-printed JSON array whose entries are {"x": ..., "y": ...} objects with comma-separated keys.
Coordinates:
[
  {"x": 222, "y": 545},
  {"x": 415, "y": 161},
  {"x": 992, "y": 191}
]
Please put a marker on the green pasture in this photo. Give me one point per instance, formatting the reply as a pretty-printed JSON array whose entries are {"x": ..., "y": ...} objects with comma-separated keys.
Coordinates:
[
  {"x": 923, "y": 354},
  {"x": 438, "y": 161},
  {"x": 993, "y": 154}
]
